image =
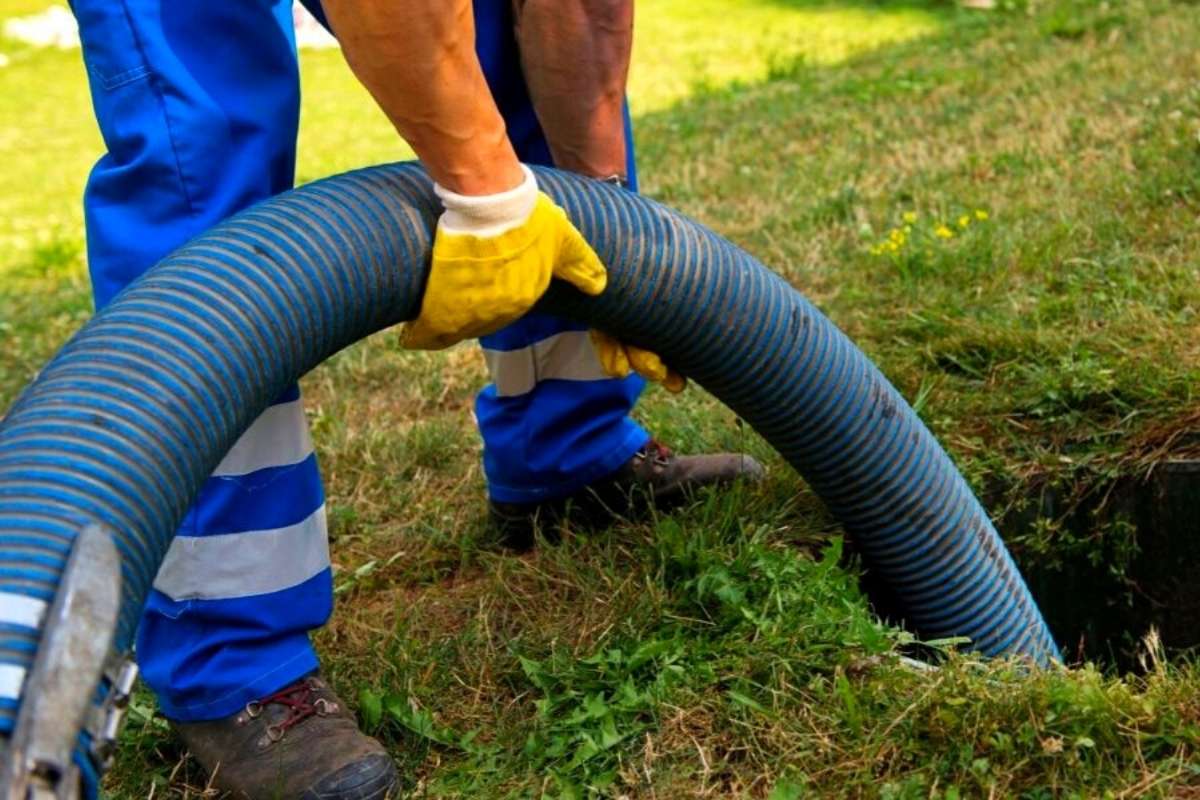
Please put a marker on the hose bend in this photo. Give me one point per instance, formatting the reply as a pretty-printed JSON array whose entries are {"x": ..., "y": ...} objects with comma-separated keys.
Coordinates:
[{"x": 126, "y": 421}]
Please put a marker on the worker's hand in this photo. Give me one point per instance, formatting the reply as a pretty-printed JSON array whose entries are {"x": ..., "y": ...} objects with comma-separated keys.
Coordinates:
[
  {"x": 620, "y": 359},
  {"x": 493, "y": 258}
]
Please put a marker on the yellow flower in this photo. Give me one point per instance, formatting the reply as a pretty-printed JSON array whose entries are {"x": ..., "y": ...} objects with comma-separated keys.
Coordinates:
[
  {"x": 980, "y": 214},
  {"x": 896, "y": 235},
  {"x": 943, "y": 232},
  {"x": 964, "y": 221},
  {"x": 910, "y": 217}
]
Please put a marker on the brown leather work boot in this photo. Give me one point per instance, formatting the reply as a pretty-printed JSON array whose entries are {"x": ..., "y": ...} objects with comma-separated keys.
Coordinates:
[
  {"x": 654, "y": 478},
  {"x": 300, "y": 742}
]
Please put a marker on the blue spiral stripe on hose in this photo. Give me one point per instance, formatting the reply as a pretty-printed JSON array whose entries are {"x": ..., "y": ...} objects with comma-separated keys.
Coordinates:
[{"x": 140, "y": 406}]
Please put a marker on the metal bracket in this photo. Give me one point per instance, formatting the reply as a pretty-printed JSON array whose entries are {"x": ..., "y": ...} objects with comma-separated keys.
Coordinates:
[
  {"x": 106, "y": 722},
  {"x": 60, "y": 689}
]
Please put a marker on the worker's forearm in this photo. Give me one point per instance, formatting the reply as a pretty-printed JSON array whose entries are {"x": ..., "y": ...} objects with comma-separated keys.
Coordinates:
[
  {"x": 575, "y": 55},
  {"x": 417, "y": 58}
]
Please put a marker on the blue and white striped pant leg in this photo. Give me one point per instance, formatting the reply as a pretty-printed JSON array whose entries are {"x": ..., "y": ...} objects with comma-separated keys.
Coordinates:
[
  {"x": 552, "y": 421},
  {"x": 198, "y": 104},
  {"x": 246, "y": 577}
]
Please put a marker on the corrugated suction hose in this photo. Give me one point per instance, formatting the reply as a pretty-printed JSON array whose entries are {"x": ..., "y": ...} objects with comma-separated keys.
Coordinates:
[{"x": 128, "y": 419}]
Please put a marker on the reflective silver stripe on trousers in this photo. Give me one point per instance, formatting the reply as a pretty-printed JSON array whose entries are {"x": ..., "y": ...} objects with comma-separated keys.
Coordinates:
[
  {"x": 12, "y": 678},
  {"x": 566, "y": 356},
  {"x": 233, "y": 565},
  {"x": 278, "y": 438},
  {"x": 19, "y": 609}
]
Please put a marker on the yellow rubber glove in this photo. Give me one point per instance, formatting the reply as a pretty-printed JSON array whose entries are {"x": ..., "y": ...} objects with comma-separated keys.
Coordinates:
[
  {"x": 619, "y": 359},
  {"x": 493, "y": 258}
]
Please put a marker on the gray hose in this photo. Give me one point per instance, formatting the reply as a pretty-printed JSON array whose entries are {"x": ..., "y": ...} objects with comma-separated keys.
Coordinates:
[{"x": 139, "y": 407}]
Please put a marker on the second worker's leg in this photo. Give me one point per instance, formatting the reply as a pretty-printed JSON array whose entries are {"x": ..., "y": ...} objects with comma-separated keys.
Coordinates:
[{"x": 555, "y": 427}]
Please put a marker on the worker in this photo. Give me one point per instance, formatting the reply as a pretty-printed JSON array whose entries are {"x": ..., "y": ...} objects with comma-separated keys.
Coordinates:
[{"x": 198, "y": 105}]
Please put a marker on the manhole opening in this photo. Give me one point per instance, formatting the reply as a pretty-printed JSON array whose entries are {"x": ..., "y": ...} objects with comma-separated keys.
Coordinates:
[{"x": 1108, "y": 566}]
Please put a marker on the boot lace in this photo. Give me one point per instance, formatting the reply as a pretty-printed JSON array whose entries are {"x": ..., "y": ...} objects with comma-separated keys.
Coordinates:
[
  {"x": 301, "y": 701},
  {"x": 657, "y": 452}
]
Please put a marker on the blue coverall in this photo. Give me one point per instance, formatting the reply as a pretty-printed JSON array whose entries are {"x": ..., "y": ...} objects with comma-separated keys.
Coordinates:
[{"x": 198, "y": 104}]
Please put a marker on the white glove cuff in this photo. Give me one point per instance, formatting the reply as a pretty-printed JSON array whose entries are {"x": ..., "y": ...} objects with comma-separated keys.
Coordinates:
[{"x": 488, "y": 215}]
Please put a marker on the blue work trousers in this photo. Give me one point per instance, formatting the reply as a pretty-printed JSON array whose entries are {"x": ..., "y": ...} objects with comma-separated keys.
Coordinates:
[{"x": 198, "y": 105}]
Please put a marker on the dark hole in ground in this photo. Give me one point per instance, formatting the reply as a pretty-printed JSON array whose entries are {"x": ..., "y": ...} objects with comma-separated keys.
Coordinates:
[{"x": 1107, "y": 564}]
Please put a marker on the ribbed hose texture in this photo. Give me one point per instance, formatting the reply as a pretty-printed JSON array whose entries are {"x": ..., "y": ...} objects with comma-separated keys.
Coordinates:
[{"x": 140, "y": 406}]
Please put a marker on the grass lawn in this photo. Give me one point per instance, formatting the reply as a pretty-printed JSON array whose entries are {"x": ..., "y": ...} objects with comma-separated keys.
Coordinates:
[{"x": 999, "y": 207}]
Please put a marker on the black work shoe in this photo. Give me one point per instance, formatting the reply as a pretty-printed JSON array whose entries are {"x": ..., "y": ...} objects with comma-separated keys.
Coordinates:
[
  {"x": 300, "y": 742},
  {"x": 654, "y": 478}
]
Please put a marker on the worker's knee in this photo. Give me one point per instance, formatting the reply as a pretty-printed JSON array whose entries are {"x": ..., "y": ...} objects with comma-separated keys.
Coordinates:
[
  {"x": 196, "y": 85},
  {"x": 198, "y": 105}
]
